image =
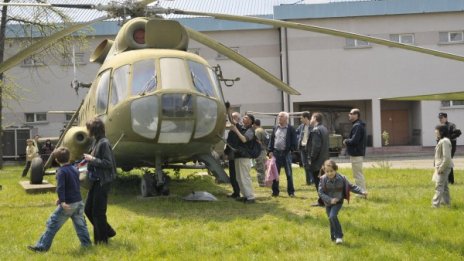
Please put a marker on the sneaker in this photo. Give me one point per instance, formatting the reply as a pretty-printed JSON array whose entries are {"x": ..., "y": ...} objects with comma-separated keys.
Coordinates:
[
  {"x": 36, "y": 249},
  {"x": 291, "y": 195},
  {"x": 275, "y": 194},
  {"x": 249, "y": 201},
  {"x": 338, "y": 241}
]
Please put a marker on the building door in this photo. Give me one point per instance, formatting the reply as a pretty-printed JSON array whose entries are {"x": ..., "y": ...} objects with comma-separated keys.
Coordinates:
[{"x": 396, "y": 123}]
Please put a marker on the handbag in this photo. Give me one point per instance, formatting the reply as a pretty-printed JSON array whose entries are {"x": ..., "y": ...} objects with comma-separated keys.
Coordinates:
[{"x": 271, "y": 172}]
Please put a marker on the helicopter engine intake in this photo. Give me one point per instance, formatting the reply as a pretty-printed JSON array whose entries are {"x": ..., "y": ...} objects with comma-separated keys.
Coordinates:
[{"x": 77, "y": 140}]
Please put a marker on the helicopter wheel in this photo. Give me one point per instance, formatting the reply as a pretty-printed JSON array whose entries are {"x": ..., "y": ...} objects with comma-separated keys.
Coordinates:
[
  {"x": 146, "y": 185},
  {"x": 37, "y": 170},
  {"x": 163, "y": 189}
]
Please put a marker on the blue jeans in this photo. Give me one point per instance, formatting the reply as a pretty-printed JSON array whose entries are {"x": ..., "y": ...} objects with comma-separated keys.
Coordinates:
[
  {"x": 335, "y": 227},
  {"x": 56, "y": 221},
  {"x": 283, "y": 159}
]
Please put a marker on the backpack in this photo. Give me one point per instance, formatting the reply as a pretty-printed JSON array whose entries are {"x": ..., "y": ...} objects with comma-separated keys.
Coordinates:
[{"x": 254, "y": 148}]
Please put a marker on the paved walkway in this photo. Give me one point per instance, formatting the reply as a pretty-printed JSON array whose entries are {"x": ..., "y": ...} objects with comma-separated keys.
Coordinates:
[{"x": 401, "y": 162}]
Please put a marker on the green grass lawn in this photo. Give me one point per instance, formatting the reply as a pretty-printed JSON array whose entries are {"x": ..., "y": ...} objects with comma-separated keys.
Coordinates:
[{"x": 395, "y": 223}]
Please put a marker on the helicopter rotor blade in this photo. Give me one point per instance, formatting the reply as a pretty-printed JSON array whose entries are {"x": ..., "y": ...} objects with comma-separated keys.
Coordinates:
[
  {"x": 37, "y": 46},
  {"x": 240, "y": 59},
  {"x": 322, "y": 30},
  {"x": 147, "y": 2},
  {"x": 78, "y": 6}
]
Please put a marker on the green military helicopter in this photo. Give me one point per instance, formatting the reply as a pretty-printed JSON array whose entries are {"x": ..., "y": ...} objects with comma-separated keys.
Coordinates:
[{"x": 161, "y": 104}]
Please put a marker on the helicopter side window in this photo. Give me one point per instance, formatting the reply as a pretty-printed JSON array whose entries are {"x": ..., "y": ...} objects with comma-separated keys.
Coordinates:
[
  {"x": 144, "y": 79},
  {"x": 102, "y": 92},
  {"x": 201, "y": 79},
  {"x": 119, "y": 84},
  {"x": 174, "y": 74}
]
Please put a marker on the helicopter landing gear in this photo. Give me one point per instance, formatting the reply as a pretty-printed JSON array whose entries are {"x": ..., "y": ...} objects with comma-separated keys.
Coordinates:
[
  {"x": 155, "y": 185},
  {"x": 162, "y": 180},
  {"x": 146, "y": 186}
]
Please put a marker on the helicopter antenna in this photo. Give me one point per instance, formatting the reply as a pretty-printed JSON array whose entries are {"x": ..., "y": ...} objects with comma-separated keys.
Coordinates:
[
  {"x": 75, "y": 84},
  {"x": 74, "y": 65}
]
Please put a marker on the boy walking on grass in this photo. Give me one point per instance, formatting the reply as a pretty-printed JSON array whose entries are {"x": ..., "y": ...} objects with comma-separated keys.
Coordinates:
[
  {"x": 333, "y": 188},
  {"x": 69, "y": 203}
]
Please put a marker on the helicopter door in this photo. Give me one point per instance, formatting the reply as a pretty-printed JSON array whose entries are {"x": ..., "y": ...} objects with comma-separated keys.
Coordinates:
[{"x": 102, "y": 93}]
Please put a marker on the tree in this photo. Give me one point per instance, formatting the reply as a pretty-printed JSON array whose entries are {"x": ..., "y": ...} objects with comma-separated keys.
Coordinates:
[{"x": 30, "y": 24}]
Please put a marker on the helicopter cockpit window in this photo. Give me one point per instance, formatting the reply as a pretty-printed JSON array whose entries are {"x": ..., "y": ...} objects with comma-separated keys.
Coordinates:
[
  {"x": 144, "y": 79},
  {"x": 102, "y": 92},
  {"x": 120, "y": 84},
  {"x": 174, "y": 74},
  {"x": 201, "y": 79}
]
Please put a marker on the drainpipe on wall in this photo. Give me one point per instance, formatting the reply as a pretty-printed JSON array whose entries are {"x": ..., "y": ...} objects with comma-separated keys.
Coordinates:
[{"x": 284, "y": 68}]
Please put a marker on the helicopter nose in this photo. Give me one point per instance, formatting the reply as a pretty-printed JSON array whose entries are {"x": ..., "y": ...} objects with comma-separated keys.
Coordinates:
[{"x": 179, "y": 115}]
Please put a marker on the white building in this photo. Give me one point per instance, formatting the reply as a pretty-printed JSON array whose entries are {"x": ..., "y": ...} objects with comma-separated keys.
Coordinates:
[{"x": 333, "y": 74}]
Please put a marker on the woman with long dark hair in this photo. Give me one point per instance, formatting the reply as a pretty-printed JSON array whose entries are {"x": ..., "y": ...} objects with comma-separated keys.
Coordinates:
[
  {"x": 443, "y": 165},
  {"x": 102, "y": 170}
]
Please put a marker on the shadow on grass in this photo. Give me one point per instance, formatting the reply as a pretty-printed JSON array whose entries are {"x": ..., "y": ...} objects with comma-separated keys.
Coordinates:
[{"x": 127, "y": 195}]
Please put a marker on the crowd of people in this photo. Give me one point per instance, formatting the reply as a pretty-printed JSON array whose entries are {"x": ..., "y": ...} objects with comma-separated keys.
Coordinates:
[{"x": 311, "y": 140}]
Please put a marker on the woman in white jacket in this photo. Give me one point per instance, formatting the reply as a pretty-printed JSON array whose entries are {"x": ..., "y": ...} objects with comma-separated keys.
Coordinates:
[{"x": 443, "y": 165}]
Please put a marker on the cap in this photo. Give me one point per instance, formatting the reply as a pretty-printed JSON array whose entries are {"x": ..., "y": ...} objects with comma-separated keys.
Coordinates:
[{"x": 442, "y": 114}]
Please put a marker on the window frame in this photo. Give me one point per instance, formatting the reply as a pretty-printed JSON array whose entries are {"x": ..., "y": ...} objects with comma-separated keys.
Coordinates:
[
  {"x": 220, "y": 56},
  {"x": 401, "y": 36},
  {"x": 356, "y": 44},
  {"x": 448, "y": 37},
  {"x": 450, "y": 104},
  {"x": 35, "y": 116}
]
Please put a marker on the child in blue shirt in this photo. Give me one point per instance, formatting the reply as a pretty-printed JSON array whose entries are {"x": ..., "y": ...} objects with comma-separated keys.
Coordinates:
[
  {"x": 333, "y": 188},
  {"x": 69, "y": 203}
]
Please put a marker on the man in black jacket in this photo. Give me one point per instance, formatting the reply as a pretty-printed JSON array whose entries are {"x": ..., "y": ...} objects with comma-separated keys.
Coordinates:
[
  {"x": 283, "y": 141},
  {"x": 317, "y": 149},
  {"x": 454, "y": 133},
  {"x": 356, "y": 147}
]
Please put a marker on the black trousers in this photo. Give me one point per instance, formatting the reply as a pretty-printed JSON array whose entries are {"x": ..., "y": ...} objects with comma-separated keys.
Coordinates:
[
  {"x": 317, "y": 180},
  {"x": 233, "y": 178},
  {"x": 453, "y": 150},
  {"x": 95, "y": 210}
]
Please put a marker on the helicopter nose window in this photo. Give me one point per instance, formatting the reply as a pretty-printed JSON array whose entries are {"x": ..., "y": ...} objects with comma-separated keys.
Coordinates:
[
  {"x": 144, "y": 112},
  {"x": 201, "y": 79},
  {"x": 177, "y": 105},
  {"x": 174, "y": 74},
  {"x": 144, "y": 79},
  {"x": 207, "y": 112}
]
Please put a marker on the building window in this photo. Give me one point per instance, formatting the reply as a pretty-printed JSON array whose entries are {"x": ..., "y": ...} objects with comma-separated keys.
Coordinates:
[
  {"x": 221, "y": 56},
  {"x": 355, "y": 43},
  {"x": 36, "y": 117},
  {"x": 402, "y": 38},
  {"x": 451, "y": 37},
  {"x": 68, "y": 59},
  {"x": 32, "y": 61},
  {"x": 452, "y": 103}
]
